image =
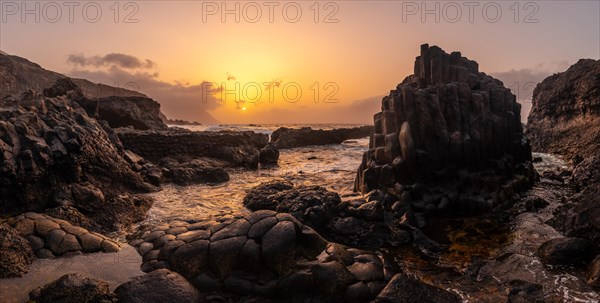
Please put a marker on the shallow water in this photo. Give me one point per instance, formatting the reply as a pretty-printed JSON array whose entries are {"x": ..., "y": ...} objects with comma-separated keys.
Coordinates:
[
  {"x": 331, "y": 166},
  {"x": 114, "y": 268},
  {"x": 485, "y": 253}
]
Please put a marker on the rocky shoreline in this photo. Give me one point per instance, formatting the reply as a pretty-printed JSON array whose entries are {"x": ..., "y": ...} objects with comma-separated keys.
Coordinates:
[{"x": 447, "y": 205}]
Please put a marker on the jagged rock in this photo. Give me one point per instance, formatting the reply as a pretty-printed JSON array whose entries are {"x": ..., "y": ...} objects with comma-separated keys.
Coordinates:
[
  {"x": 581, "y": 217},
  {"x": 73, "y": 288},
  {"x": 565, "y": 112},
  {"x": 122, "y": 111},
  {"x": 289, "y": 138},
  {"x": 566, "y": 251},
  {"x": 53, "y": 153},
  {"x": 593, "y": 276},
  {"x": 15, "y": 253},
  {"x": 269, "y": 155},
  {"x": 402, "y": 289},
  {"x": 312, "y": 205},
  {"x": 160, "y": 285}
]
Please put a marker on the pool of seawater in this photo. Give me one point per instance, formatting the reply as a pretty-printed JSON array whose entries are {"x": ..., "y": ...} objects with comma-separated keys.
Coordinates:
[{"x": 331, "y": 166}]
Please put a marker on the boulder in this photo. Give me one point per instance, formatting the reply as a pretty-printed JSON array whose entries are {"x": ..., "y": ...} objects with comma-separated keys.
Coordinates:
[
  {"x": 269, "y": 155},
  {"x": 312, "y": 205},
  {"x": 402, "y": 289},
  {"x": 15, "y": 253},
  {"x": 73, "y": 288},
  {"x": 160, "y": 285},
  {"x": 567, "y": 251}
]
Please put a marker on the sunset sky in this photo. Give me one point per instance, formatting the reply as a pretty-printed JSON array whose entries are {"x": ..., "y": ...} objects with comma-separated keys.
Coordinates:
[{"x": 175, "y": 46}]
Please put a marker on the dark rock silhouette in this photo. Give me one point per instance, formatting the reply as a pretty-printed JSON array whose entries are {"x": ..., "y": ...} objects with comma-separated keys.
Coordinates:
[
  {"x": 448, "y": 139},
  {"x": 565, "y": 115},
  {"x": 284, "y": 137}
]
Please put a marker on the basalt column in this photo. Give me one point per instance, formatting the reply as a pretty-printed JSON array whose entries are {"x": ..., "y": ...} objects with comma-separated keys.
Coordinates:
[{"x": 449, "y": 136}]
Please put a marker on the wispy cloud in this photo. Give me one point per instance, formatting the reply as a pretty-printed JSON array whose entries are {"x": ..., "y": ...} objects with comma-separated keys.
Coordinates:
[{"x": 112, "y": 59}]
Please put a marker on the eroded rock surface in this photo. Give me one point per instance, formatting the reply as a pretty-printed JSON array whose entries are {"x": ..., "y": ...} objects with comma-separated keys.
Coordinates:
[
  {"x": 264, "y": 254},
  {"x": 48, "y": 144},
  {"x": 15, "y": 253},
  {"x": 50, "y": 237},
  {"x": 73, "y": 288}
]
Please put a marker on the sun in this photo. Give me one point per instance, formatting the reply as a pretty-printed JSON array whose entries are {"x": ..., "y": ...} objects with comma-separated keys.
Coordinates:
[{"x": 244, "y": 108}]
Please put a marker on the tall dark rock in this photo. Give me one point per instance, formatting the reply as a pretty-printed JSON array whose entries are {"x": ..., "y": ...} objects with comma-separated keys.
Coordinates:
[
  {"x": 565, "y": 115},
  {"x": 447, "y": 124}
]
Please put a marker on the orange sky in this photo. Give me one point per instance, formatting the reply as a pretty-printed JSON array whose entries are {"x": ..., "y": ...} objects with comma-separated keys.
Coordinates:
[{"x": 356, "y": 60}]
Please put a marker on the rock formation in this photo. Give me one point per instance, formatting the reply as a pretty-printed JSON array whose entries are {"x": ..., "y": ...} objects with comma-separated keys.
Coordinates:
[
  {"x": 565, "y": 115},
  {"x": 264, "y": 254},
  {"x": 284, "y": 137},
  {"x": 119, "y": 106},
  {"x": 236, "y": 148},
  {"x": 52, "y": 154},
  {"x": 448, "y": 138},
  {"x": 123, "y": 111},
  {"x": 15, "y": 253},
  {"x": 73, "y": 288},
  {"x": 50, "y": 237}
]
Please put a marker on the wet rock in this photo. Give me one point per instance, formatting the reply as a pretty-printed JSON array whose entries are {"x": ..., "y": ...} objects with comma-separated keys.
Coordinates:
[
  {"x": 73, "y": 288},
  {"x": 269, "y": 155},
  {"x": 332, "y": 277},
  {"x": 278, "y": 247},
  {"x": 289, "y": 138},
  {"x": 312, "y": 205},
  {"x": 15, "y": 253},
  {"x": 524, "y": 292},
  {"x": 186, "y": 175},
  {"x": 593, "y": 276},
  {"x": 566, "y": 251},
  {"x": 160, "y": 285},
  {"x": 190, "y": 258},
  {"x": 403, "y": 289}
]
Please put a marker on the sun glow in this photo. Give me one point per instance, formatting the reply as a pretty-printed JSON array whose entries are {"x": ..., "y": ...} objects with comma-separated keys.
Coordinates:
[{"x": 244, "y": 108}]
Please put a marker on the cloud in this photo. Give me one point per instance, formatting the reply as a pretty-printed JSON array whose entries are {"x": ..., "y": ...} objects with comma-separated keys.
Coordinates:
[
  {"x": 523, "y": 81},
  {"x": 112, "y": 59},
  {"x": 230, "y": 77}
]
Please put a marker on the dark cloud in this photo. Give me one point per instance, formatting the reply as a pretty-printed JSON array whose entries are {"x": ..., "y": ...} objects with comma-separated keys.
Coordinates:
[
  {"x": 178, "y": 101},
  {"x": 522, "y": 82},
  {"x": 112, "y": 59}
]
